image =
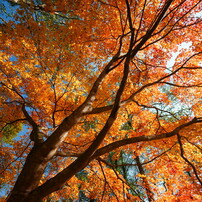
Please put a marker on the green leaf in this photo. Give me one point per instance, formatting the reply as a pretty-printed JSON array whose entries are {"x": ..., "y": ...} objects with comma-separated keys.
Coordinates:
[{"x": 10, "y": 131}]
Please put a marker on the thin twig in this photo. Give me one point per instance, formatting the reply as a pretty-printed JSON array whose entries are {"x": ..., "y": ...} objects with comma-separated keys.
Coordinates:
[
  {"x": 186, "y": 160},
  {"x": 15, "y": 158}
]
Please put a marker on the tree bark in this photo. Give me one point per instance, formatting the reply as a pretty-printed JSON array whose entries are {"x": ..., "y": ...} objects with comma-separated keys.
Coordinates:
[
  {"x": 149, "y": 193},
  {"x": 26, "y": 187}
]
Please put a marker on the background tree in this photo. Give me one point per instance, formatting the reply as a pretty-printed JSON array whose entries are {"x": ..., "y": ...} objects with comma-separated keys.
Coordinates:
[{"x": 107, "y": 95}]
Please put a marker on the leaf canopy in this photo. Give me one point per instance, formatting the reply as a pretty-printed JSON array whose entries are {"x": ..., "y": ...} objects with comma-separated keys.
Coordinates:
[{"x": 109, "y": 94}]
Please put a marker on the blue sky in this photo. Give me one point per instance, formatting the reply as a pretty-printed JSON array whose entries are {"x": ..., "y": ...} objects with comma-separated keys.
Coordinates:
[{"x": 7, "y": 11}]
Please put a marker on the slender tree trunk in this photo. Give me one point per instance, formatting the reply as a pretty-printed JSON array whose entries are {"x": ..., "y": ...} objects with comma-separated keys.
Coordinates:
[{"x": 149, "y": 193}]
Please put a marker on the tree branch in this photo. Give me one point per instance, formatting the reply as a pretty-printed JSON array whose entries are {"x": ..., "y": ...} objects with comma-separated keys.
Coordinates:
[
  {"x": 159, "y": 81},
  {"x": 50, "y": 185},
  {"x": 152, "y": 28},
  {"x": 186, "y": 160},
  {"x": 110, "y": 147}
]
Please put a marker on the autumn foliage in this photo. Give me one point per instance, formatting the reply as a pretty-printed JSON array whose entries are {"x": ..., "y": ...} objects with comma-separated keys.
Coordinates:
[{"x": 101, "y": 99}]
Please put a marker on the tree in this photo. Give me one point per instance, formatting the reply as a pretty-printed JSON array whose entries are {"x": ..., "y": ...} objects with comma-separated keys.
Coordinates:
[{"x": 92, "y": 86}]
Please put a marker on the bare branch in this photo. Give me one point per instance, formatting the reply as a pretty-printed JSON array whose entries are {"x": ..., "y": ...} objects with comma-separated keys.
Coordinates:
[
  {"x": 182, "y": 86},
  {"x": 66, "y": 154}
]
